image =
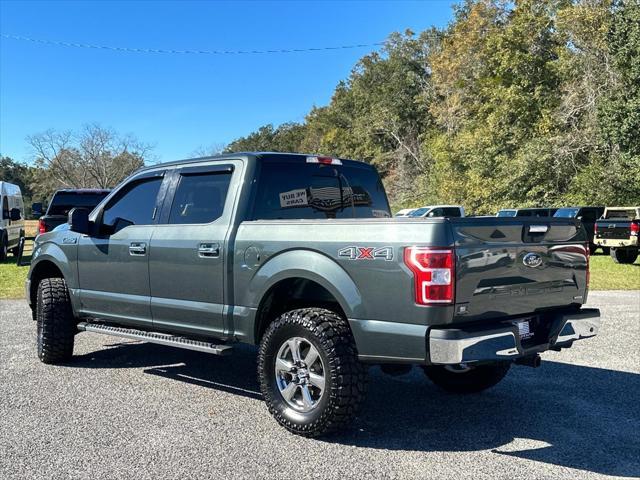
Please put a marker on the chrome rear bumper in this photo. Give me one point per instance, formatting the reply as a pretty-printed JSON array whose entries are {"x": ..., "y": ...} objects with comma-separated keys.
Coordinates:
[{"x": 502, "y": 342}]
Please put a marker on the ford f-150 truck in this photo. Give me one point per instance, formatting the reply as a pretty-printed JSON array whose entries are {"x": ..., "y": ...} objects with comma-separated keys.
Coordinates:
[{"x": 298, "y": 255}]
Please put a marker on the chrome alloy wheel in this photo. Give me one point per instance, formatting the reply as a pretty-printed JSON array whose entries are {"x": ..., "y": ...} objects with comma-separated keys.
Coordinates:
[{"x": 300, "y": 374}]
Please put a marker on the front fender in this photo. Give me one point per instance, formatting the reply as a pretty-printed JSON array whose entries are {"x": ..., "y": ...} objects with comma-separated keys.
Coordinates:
[
  {"x": 63, "y": 258},
  {"x": 310, "y": 265}
]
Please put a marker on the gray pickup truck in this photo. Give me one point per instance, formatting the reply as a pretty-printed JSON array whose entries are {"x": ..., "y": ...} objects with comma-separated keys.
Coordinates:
[{"x": 298, "y": 254}]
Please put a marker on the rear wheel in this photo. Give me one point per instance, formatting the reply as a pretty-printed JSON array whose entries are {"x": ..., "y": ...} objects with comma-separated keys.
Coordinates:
[
  {"x": 56, "y": 324},
  {"x": 309, "y": 372},
  {"x": 624, "y": 255},
  {"x": 606, "y": 250},
  {"x": 467, "y": 379}
]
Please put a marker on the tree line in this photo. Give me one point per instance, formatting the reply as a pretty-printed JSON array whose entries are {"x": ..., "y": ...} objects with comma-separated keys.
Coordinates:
[
  {"x": 525, "y": 103},
  {"x": 514, "y": 103}
]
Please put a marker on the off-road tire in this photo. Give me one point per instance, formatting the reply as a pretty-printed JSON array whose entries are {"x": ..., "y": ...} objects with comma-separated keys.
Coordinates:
[
  {"x": 474, "y": 380},
  {"x": 606, "y": 250},
  {"x": 56, "y": 324},
  {"x": 624, "y": 255},
  {"x": 345, "y": 376}
]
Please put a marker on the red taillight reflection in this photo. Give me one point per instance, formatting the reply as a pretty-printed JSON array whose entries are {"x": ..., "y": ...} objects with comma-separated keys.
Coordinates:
[{"x": 433, "y": 273}]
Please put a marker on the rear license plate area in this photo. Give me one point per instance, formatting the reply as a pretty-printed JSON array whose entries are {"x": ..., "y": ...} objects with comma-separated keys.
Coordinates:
[{"x": 526, "y": 327}]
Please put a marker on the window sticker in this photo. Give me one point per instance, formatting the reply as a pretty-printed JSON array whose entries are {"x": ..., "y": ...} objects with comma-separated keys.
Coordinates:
[{"x": 294, "y": 198}]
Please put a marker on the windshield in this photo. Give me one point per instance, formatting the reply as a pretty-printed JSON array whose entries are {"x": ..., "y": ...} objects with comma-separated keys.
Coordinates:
[
  {"x": 506, "y": 213},
  {"x": 419, "y": 212},
  {"x": 567, "y": 213},
  {"x": 63, "y": 202}
]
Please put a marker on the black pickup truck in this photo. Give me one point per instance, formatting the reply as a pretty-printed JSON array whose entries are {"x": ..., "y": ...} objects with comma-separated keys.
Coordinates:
[
  {"x": 62, "y": 202},
  {"x": 618, "y": 230}
]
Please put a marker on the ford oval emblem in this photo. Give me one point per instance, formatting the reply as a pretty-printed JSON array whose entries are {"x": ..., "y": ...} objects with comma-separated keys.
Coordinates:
[{"x": 532, "y": 260}]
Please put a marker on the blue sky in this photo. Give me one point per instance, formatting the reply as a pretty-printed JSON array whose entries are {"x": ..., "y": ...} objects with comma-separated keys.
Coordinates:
[{"x": 179, "y": 103}]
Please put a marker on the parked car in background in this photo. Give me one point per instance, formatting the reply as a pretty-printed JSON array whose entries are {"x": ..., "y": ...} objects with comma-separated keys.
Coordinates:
[
  {"x": 11, "y": 219},
  {"x": 404, "y": 212},
  {"x": 526, "y": 212},
  {"x": 618, "y": 230},
  {"x": 61, "y": 204},
  {"x": 435, "y": 211},
  {"x": 588, "y": 217}
]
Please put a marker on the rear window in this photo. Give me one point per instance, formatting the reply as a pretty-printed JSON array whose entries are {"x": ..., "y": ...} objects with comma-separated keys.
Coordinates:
[
  {"x": 63, "y": 202},
  {"x": 506, "y": 213},
  {"x": 622, "y": 213},
  {"x": 566, "y": 213},
  {"x": 305, "y": 190}
]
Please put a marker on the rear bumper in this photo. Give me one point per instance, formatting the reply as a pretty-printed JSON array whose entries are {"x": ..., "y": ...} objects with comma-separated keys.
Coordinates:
[
  {"x": 502, "y": 342},
  {"x": 613, "y": 242}
]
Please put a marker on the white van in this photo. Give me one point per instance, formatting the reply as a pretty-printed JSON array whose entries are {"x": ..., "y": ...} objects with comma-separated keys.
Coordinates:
[{"x": 11, "y": 219}]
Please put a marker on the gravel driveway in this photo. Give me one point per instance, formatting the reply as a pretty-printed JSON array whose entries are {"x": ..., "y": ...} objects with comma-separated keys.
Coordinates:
[{"x": 123, "y": 410}]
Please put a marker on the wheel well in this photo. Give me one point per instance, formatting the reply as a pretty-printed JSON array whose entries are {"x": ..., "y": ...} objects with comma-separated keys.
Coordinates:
[
  {"x": 290, "y": 294},
  {"x": 44, "y": 269}
]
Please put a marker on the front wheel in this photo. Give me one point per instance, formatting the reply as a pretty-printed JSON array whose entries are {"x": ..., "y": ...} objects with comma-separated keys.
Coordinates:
[
  {"x": 56, "y": 324},
  {"x": 309, "y": 372},
  {"x": 466, "y": 379}
]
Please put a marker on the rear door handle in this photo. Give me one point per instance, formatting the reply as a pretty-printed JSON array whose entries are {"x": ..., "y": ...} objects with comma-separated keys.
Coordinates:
[
  {"x": 209, "y": 250},
  {"x": 138, "y": 248}
]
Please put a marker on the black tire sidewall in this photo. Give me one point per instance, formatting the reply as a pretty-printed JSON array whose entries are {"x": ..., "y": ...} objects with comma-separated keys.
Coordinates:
[{"x": 274, "y": 343}]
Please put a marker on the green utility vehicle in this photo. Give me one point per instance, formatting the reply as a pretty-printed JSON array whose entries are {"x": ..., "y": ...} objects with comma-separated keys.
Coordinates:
[{"x": 299, "y": 255}]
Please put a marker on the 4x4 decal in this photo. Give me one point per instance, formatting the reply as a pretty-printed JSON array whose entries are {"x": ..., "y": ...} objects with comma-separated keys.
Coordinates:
[{"x": 366, "y": 253}]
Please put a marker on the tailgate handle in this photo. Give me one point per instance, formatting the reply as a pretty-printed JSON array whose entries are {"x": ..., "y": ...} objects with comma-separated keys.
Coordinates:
[{"x": 538, "y": 228}]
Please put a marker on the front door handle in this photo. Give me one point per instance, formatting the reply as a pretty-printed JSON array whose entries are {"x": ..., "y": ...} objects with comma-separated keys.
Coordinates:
[
  {"x": 138, "y": 248},
  {"x": 209, "y": 250}
]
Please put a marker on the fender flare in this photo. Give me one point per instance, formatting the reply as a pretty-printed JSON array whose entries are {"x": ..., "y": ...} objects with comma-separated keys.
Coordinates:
[{"x": 310, "y": 265}]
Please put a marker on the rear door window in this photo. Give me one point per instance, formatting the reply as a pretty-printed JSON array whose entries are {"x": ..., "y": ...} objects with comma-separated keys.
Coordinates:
[
  {"x": 451, "y": 212},
  {"x": 199, "y": 198},
  {"x": 291, "y": 190}
]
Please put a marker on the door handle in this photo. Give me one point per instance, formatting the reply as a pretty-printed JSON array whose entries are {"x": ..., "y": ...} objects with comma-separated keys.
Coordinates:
[
  {"x": 209, "y": 250},
  {"x": 138, "y": 248}
]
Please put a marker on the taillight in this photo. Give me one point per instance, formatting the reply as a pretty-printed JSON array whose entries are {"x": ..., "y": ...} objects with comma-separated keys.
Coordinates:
[
  {"x": 635, "y": 228},
  {"x": 588, "y": 270},
  {"x": 433, "y": 274},
  {"x": 595, "y": 229},
  {"x": 42, "y": 228}
]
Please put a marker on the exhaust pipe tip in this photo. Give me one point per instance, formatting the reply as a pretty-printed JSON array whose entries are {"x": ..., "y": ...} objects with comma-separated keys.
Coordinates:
[{"x": 533, "y": 361}]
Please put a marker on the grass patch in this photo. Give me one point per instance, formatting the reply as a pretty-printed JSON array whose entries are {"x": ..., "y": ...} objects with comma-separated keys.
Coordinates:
[
  {"x": 605, "y": 275},
  {"x": 608, "y": 275}
]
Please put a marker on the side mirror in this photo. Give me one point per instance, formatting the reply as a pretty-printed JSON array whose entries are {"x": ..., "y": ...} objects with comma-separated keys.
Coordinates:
[
  {"x": 36, "y": 209},
  {"x": 15, "y": 214},
  {"x": 79, "y": 220}
]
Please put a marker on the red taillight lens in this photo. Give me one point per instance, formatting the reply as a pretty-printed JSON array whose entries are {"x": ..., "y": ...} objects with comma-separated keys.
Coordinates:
[
  {"x": 635, "y": 228},
  {"x": 433, "y": 273},
  {"x": 42, "y": 228},
  {"x": 588, "y": 270},
  {"x": 595, "y": 229}
]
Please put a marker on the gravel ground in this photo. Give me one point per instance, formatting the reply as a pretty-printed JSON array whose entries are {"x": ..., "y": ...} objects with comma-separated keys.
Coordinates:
[{"x": 123, "y": 410}]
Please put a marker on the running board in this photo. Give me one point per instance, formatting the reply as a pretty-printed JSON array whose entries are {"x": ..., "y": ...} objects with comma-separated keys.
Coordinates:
[{"x": 160, "y": 338}]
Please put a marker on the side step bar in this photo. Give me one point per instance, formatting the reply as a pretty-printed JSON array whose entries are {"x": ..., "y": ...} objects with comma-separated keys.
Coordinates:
[{"x": 160, "y": 338}]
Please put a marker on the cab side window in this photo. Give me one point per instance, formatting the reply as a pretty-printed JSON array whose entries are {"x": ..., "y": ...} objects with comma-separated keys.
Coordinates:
[
  {"x": 199, "y": 197},
  {"x": 135, "y": 204}
]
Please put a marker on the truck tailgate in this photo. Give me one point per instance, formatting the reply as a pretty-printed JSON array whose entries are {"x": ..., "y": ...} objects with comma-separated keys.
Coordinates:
[
  {"x": 511, "y": 267},
  {"x": 613, "y": 229}
]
